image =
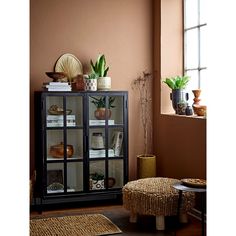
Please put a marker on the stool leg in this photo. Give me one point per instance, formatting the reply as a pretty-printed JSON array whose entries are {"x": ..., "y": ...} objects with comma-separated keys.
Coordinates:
[
  {"x": 133, "y": 217},
  {"x": 160, "y": 222}
]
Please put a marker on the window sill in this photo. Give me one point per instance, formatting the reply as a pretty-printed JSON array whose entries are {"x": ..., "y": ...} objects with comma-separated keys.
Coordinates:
[{"x": 184, "y": 116}]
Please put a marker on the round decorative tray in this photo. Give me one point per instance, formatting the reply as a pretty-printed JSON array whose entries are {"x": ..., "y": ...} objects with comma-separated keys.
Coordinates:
[
  {"x": 56, "y": 110},
  {"x": 69, "y": 64},
  {"x": 195, "y": 183}
]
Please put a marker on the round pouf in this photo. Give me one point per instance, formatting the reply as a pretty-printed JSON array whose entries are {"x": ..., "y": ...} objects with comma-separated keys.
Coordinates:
[{"x": 155, "y": 196}]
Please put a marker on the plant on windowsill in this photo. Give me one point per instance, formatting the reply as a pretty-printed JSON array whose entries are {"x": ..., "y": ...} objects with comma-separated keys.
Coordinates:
[
  {"x": 100, "y": 102},
  {"x": 100, "y": 69},
  {"x": 178, "y": 84},
  {"x": 143, "y": 84}
]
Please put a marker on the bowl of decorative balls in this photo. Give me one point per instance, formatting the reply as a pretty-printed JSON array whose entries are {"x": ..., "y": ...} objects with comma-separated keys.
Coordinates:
[
  {"x": 200, "y": 110},
  {"x": 57, "y": 76}
]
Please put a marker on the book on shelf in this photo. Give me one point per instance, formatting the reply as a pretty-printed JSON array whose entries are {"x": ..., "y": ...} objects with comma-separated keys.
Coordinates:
[
  {"x": 101, "y": 122},
  {"x": 57, "y": 86},
  {"x": 100, "y": 153},
  {"x": 58, "y": 120},
  {"x": 60, "y": 117},
  {"x": 56, "y": 83},
  {"x": 117, "y": 140}
]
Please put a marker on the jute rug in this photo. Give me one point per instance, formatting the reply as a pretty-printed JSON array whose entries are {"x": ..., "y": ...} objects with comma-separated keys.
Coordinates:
[{"x": 84, "y": 225}]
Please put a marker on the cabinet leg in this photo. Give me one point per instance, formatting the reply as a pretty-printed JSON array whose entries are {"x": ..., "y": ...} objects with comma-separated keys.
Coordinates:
[{"x": 160, "y": 222}]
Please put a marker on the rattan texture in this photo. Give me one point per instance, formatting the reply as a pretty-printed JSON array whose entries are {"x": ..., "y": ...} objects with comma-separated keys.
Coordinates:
[
  {"x": 155, "y": 196},
  {"x": 84, "y": 225}
]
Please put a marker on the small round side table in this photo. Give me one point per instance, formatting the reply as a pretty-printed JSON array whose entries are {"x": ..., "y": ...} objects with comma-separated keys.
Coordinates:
[{"x": 181, "y": 188}]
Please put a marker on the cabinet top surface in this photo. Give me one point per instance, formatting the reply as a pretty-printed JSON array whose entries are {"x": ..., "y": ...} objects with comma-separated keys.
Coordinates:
[{"x": 81, "y": 92}]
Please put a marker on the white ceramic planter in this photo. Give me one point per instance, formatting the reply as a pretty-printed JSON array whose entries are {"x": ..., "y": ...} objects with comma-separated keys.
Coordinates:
[
  {"x": 90, "y": 84},
  {"x": 104, "y": 83}
]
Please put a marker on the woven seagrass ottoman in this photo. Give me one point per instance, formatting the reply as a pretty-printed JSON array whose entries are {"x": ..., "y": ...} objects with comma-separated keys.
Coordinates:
[{"x": 156, "y": 196}]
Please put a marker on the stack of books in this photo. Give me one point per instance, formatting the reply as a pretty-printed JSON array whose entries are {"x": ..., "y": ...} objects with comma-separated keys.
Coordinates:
[
  {"x": 57, "y": 86},
  {"x": 57, "y": 120},
  {"x": 100, "y": 153},
  {"x": 101, "y": 122}
]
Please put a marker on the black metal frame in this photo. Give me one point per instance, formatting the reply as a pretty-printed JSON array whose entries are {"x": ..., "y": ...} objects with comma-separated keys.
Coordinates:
[{"x": 41, "y": 150}]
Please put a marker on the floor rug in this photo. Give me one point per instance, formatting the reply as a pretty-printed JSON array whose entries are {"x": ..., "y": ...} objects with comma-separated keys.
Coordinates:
[{"x": 84, "y": 225}]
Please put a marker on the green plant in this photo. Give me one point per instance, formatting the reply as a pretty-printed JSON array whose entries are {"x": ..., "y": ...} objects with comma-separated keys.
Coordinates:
[
  {"x": 101, "y": 102},
  {"x": 177, "y": 82},
  {"x": 99, "y": 68},
  {"x": 96, "y": 176},
  {"x": 92, "y": 75}
]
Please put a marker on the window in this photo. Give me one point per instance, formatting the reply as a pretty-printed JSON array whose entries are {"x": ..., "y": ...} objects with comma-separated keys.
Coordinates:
[{"x": 195, "y": 45}]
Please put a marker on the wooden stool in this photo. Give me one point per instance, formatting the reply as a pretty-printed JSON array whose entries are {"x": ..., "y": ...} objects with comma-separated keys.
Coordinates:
[{"x": 155, "y": 196}]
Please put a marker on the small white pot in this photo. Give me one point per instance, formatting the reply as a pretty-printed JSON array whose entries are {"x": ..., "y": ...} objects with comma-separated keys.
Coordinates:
[
  {"x": 104, "y": 83},
  {"x": 90, "y": 84}
]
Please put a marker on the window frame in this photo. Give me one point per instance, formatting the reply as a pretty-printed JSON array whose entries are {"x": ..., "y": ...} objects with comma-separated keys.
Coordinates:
[{"x": 198, "y": 26}]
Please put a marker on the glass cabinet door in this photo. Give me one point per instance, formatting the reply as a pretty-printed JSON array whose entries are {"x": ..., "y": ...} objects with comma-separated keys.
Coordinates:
[
  {"x": 106, "y": 125},
  {"x": 64, "y": 144}
]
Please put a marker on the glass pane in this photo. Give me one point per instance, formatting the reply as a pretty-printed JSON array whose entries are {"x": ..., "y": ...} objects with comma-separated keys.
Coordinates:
[
  {"x": 115, "y": 142},
  {"x": 75, "y": 140},
  {"x": 191, "y": 13},
  {"x": 55, "y": 145},
  {"x": 203, "y": 11},
  {"x": 191, "y": 45},
  {"x": 98, "y": 113},
  {"x": 203, "y": 46},
  {"x": 193, "y": 84},
  {"x": 74, "y": 105},
  {"x": 74, "y": 176},
  {"x": 115, "y": 173},
  {"x": 117, "y": 110},
  {"x": 54, "y": 108},
  {"x": 55, "y": 178},
  {"x": 97, "y": 144},
  {"x": 96, "y": 175},
  {"x": 203, "y": 86}
]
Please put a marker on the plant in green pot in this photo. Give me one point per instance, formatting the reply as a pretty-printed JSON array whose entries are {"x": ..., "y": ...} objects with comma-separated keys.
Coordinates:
[
  {"x": 178, "y": 84},
  {"x": 101, "y": 112},
  {"x": 100, "y": 69}
]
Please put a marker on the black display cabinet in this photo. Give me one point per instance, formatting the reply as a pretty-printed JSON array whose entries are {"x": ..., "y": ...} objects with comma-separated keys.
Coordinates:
[{"x": 81, "y": 147}]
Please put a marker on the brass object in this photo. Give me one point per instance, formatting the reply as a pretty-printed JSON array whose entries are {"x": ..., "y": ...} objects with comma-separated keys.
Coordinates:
[{"x": 57, "y": 151}]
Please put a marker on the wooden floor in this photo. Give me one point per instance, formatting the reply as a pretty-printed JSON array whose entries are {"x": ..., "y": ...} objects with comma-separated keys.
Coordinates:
[{"x": 120, "y": 216}]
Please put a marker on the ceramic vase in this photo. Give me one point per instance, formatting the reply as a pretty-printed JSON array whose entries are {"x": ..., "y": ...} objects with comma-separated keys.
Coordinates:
[
  {"x": 102, "y": 113},
  {"x": 178, "y": 96},
  {"x": 104, "y": 83},
  {"x": 90, "y": 84},
  {"x": 196, "y": 99}
]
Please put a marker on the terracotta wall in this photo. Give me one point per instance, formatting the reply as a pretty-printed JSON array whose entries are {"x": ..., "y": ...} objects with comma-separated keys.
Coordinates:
[
  {"x": 179, "y": 142},
  {"x": 122, "y": 30}
]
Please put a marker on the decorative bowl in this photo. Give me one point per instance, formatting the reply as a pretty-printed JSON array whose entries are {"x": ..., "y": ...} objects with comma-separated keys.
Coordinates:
[
  {"x": 200, "y": 110},
  {"x": 57, "y": 151},
  {"x": 57, "y": 76},
  {"x": 56, "y": 110}
]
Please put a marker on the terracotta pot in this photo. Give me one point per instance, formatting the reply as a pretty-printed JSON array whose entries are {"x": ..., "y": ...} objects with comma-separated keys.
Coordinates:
[
  {"x": 58, "y": 150},
  {"x": 79, "y": 83},
  {"x": 100, "y": 113}
]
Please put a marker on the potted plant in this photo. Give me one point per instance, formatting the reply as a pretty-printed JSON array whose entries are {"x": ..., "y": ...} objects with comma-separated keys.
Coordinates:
[
  {"x": 100, "y": 102},
  {"x": 100, "y": 69},
  {"x": 178, "y": 84},
  {"x": 146, "y": 162},
  {"x": 90, "y": 82}
]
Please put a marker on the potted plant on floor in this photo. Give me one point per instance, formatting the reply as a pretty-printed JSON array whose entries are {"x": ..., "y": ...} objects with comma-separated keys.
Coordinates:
[
  {"x": 146, "y": 162},
  {"x": 100, "y": 69},
  {"x": 100, "y": 102},
  {"x": 178, "y": 84}
]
